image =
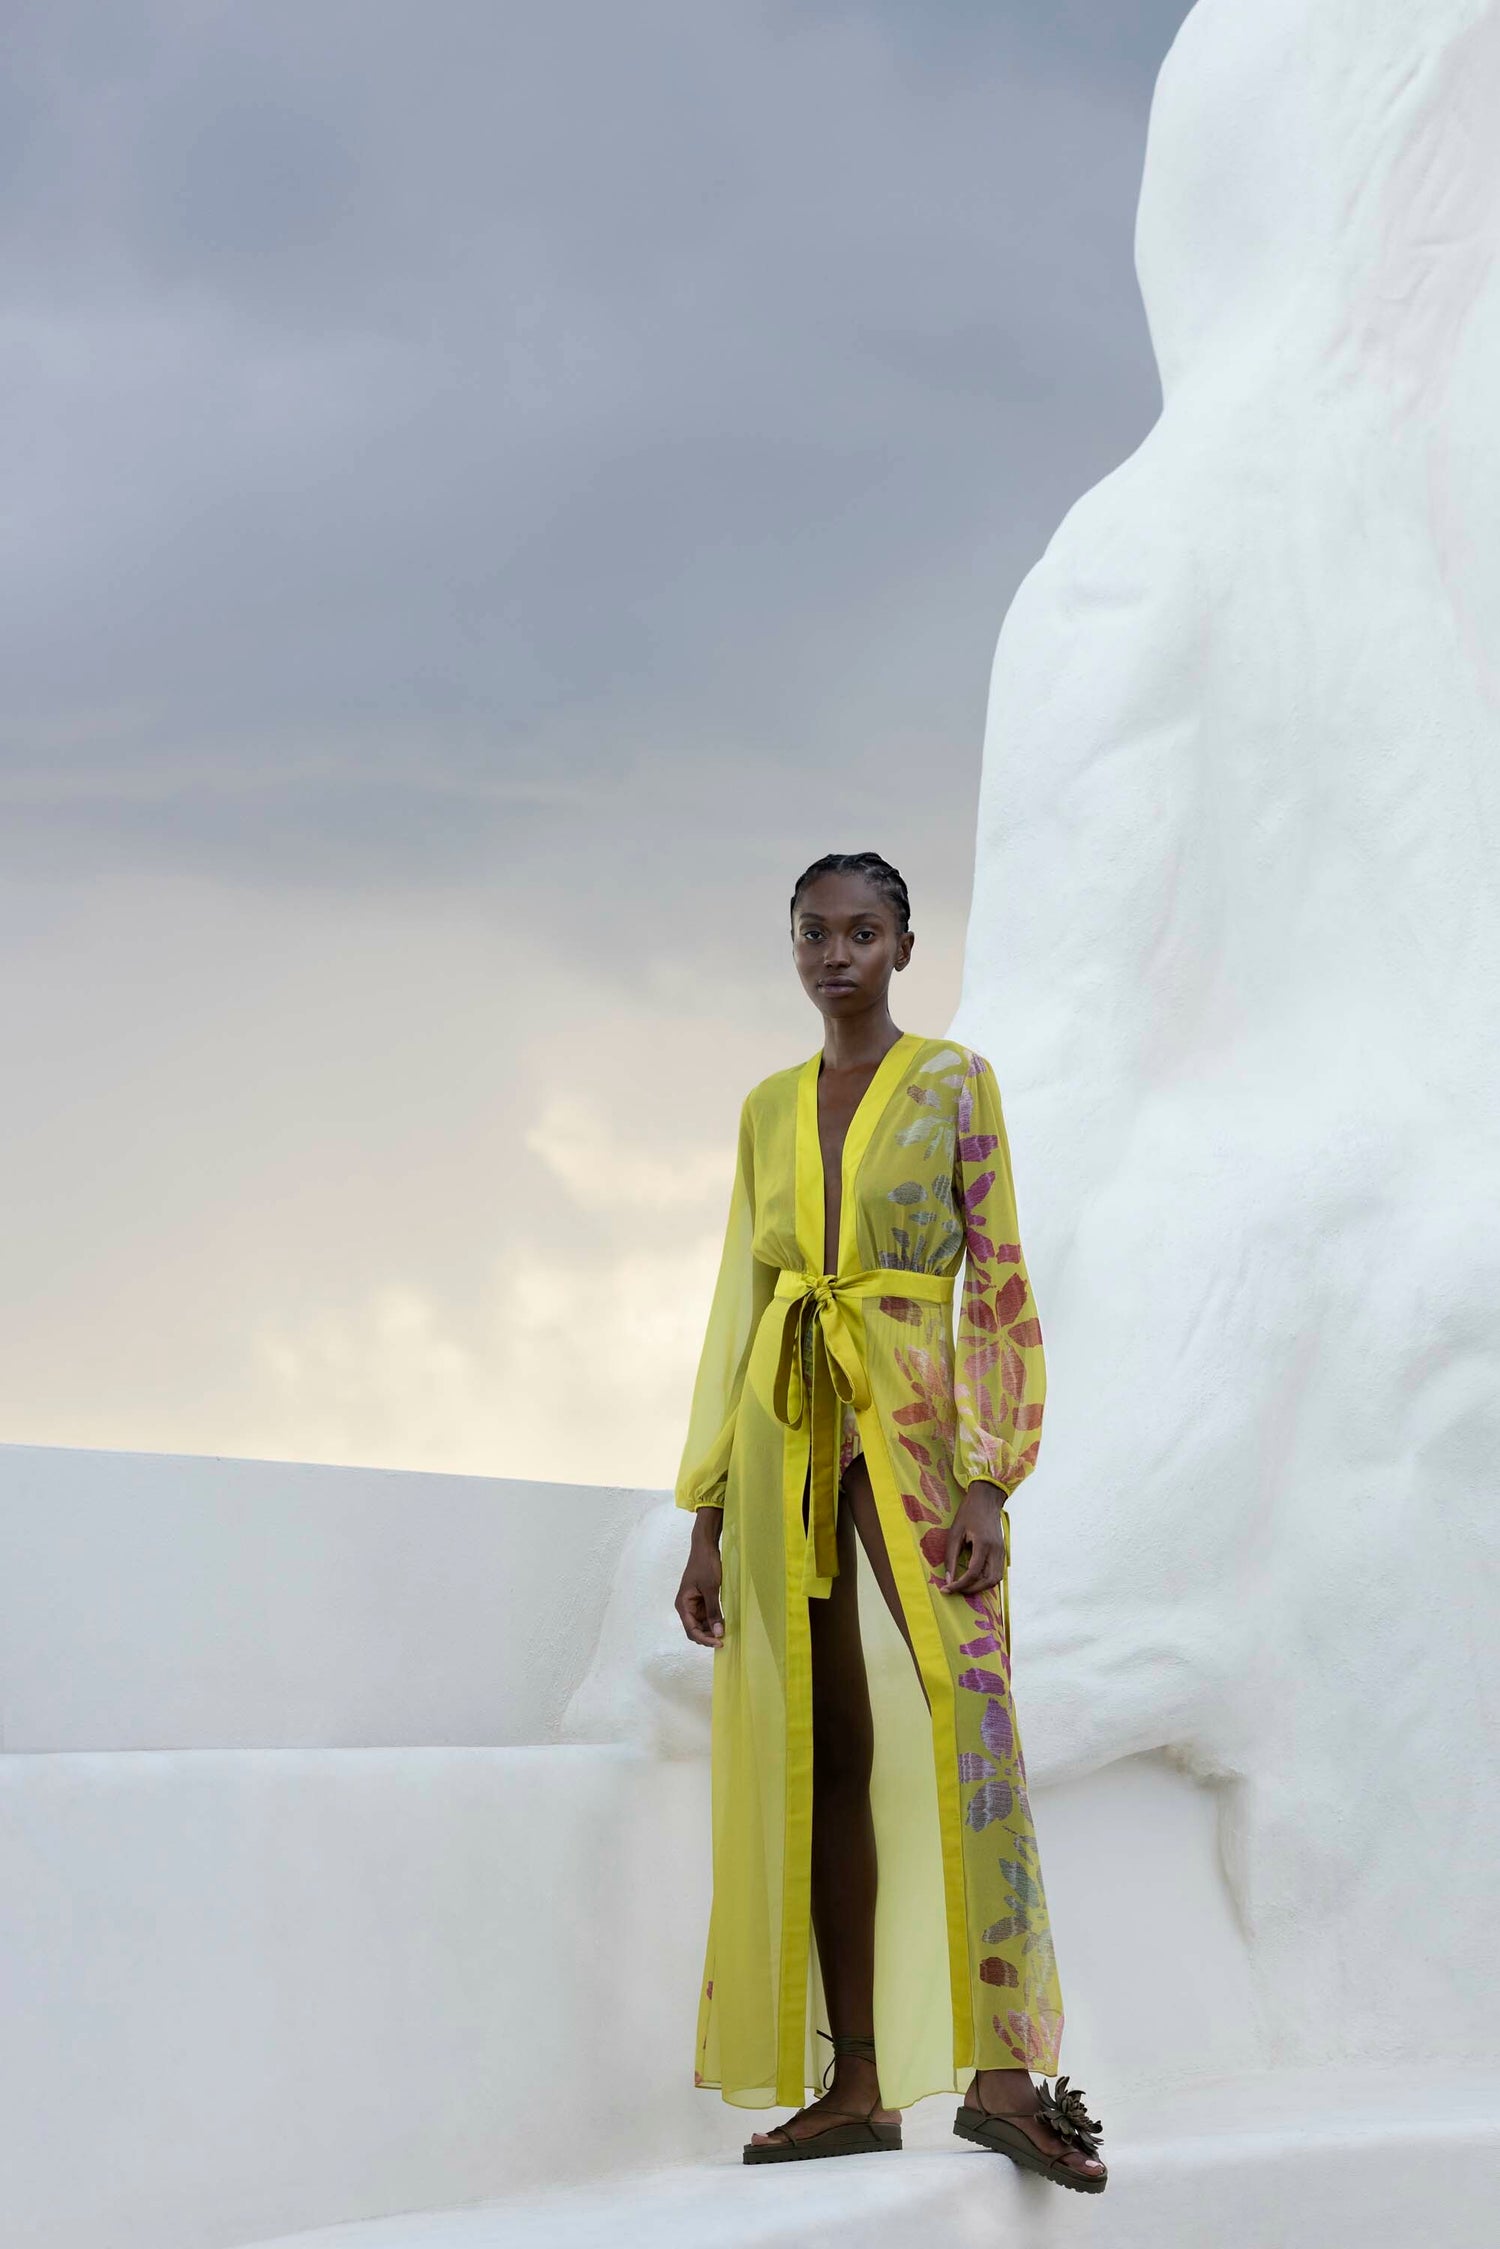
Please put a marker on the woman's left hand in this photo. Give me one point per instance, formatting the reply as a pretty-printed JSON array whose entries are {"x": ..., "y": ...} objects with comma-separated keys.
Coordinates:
[{"x": 978, "y": 1526}]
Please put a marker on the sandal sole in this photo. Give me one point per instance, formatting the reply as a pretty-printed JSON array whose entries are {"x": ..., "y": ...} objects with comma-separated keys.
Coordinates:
[{"x": 1024, "y": 2153}]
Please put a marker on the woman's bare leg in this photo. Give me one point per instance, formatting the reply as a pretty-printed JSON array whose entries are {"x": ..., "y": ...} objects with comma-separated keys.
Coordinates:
[
  {"x": 843, "y": 1836},
  {"x": 859, "y": 1502},
  {"x": 843, "y": 1843},
  {"x": 843, "y": 1839}
]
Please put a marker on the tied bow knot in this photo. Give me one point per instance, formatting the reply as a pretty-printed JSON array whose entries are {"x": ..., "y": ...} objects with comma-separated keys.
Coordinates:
[
  {"x": 816, "y": 1303},
  {"x": 817, "y": 1300}
]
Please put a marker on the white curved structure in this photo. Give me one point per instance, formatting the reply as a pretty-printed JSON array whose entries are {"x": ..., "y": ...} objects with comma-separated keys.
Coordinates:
[{"x": 1235, "y": 952}]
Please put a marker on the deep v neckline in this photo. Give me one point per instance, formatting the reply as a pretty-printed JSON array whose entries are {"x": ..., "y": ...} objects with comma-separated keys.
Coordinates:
[{"x": 812, "y": 1178}]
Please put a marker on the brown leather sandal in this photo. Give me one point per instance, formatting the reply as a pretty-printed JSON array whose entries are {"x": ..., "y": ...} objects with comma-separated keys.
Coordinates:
[
  {"x": 860, "y": 2135},
  {"x": 1065, "y": 2111}
]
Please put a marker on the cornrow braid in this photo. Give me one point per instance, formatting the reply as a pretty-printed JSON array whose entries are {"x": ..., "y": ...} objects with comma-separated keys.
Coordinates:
[{"x": 875, "y": 870}]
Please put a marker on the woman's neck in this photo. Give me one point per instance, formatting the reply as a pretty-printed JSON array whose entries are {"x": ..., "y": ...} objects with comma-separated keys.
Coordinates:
[{"x": 860, "y": 1041}]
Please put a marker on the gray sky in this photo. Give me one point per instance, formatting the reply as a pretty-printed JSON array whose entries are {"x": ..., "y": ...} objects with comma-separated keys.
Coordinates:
[{"x": 491, "y": 493}]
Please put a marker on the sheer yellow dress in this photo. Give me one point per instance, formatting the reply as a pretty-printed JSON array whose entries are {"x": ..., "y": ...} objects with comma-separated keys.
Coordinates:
[{"x": 799, "y": 1368}]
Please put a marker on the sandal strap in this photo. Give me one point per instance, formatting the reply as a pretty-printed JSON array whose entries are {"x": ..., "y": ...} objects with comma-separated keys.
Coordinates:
[
  {"x": 1064, "y": 2111},
  {"x": 1057, "y": 2162},
  {"x": 799, "y": 2139},
  {"x": 847, "y": 2042}
]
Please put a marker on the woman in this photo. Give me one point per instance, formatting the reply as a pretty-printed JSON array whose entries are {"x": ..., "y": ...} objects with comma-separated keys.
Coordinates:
[{"x": 839, "y": 1427}]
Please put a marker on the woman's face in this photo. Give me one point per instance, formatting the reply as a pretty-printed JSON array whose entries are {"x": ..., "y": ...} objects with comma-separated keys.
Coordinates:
[{"x": 846, "y": 944}]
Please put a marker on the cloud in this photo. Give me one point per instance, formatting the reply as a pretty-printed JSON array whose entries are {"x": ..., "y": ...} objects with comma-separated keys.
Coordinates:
[
  {"x": 597, "y": 1174},
  {"x": 580, "y": 1369},
  {"x": 405, "y": 406},
  {"x": 492, "y": 494}
]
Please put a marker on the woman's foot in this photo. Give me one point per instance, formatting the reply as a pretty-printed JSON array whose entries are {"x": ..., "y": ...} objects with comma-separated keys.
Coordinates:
[
  {"x": 1010, "y": 2093},
  {"x": 854, "y": 2095}
]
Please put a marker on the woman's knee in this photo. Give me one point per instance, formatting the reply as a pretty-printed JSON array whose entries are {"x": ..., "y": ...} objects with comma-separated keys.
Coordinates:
[{"x": 843, "y": 1730}]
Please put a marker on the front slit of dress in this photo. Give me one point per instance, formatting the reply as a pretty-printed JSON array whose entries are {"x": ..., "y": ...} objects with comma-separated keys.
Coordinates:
[{"x": 915, "y": 1604}]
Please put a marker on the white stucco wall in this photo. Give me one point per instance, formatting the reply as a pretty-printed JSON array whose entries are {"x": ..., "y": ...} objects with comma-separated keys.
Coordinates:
[{"x": 1235, "y": 954}]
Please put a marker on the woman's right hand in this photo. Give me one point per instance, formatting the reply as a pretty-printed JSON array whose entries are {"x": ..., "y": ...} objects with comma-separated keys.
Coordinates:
[{"x": 697, "y": 1600}]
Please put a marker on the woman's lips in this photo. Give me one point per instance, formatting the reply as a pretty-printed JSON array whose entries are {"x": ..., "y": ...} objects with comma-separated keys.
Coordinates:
[{"x": 839, "y": 984}]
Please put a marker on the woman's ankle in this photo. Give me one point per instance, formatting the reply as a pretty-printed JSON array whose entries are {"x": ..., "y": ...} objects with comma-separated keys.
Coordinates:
[
  {"x": 1011, "y": 2084},
  {"x": 853, "y": 2069}
]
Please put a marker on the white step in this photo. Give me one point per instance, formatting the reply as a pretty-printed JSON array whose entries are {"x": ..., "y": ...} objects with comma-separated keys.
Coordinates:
[
  {"x": 153, "y": 1601},
  {"x": 250, "y": 1990},
  {"x": 1315, "y": 2160}
]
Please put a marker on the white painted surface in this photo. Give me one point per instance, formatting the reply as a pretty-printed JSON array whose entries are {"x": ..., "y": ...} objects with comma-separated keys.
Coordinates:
[
  {"x": 1313, "y": 2163},
  {"x": 252, "y": 1990},
  {"x": 1235, "y": 954},
  {"x": 646, "y": 1683},
  {"x": 152, "y": 1601},
  {"x": 273, "y": 1989}
]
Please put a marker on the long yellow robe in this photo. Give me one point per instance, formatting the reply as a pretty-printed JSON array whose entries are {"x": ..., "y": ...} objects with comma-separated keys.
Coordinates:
[{"x": 794, "y": 1362}]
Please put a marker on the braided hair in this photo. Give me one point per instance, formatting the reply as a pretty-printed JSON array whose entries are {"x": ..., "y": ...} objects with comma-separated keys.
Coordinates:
[{"x": 875, "y": 870}]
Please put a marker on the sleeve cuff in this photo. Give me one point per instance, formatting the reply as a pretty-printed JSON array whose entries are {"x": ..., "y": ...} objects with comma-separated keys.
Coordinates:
[{"x": 691, "y": 1501}]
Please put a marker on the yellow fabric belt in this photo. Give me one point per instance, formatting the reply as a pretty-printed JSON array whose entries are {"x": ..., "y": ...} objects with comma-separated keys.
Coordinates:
[{"x": 838, "y": 1373}]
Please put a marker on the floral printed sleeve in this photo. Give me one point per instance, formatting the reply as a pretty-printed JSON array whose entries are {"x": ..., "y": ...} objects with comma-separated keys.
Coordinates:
[
  {"x": 999, "y": 1375},
  {"x": 743, "y": 1290}
]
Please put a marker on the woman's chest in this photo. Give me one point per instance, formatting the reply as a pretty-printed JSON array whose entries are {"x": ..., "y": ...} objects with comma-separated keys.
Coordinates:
[{"x": 894, "y": 1171}]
